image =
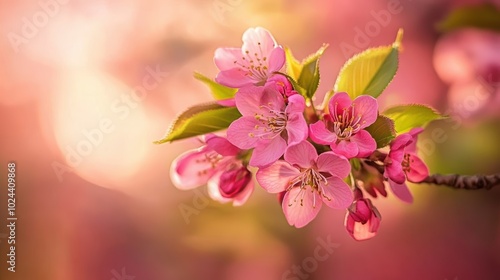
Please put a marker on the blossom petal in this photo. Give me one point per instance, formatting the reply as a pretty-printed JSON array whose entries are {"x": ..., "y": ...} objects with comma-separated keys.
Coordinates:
[
  {"x": 414, "y": 132},
  {"x": 394, "y": 171},
  {"x": 268, "y": 152},
  {"x": 301, "y": 206},
  {"x": 239, "y": 133},
  {"x": 345, "y": 148},
  {"x": 225, "y": 58},
  {"x": 191, "y": 169},
  {"x": 243, "y": 196},
  {"x": 338, "y": 102},
  {"x": 234, "y": 78},
  {"x": 320, "y": 134},
  {"x": 366, "y": 107},
  {"x": 296, "y": 104},
  {"x": 302, "y": 154},
  {"x": 365, "y": 142},
  {"x": 401, "y": 141},
  {"x": 336, "y": 193},
  {"x": 222, "y": 146},
  {"x": 418, "y": 170},
  {"x": 296, "y": 128},
  {"x": 401, "y": 191},
  {"x": 214, "y": 190},
  {"x": 258, "y": 40},
  {"x": 333, "y": 164},
  {"x": 248, "y": 100},
  {"x": 276, "y": 177},
  {"x": 276, "y": 59}
]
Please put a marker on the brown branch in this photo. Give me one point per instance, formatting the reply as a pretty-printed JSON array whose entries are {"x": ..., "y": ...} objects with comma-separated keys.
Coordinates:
[{"x": 466, "y": 182}]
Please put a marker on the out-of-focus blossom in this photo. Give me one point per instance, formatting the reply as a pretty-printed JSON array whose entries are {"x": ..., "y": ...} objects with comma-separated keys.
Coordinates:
[
  {"x": 267, "y": 124},
  {"x": 469, "y": 61},
  {"x": 253, "y": 63},
  {"x": 343, "y": 128},
  {"x": 217, "y": 164},
  {"x": 309, "y": 181},
  {"x": 362, "y": 219},
  {"x": 403, "y": 164}
]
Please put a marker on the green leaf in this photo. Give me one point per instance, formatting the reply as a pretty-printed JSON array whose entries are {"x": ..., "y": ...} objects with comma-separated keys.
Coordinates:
[
  {"x": 407, "y": 117},
  {"x": 309, "y": 75},
  {"x": 199, "y": 120},
  {"x": 293, "y": 66},
  {"x": 219, "y": 92},
  {"x": 382, "y": 130},
  {"x": 370, "y": 71},
  {"x": 485, "y": 16}
]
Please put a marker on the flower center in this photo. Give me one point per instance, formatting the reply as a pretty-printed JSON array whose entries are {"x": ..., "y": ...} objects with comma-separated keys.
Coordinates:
[
  {"x": 345, "y": 123},
  {"x": 211, "y": 158},
  {"x": 406, "y": 163},
  {"x": 254, "y": 63},
  {"x": 273, "y": 122},
  {"x": 312, "y": 178}
]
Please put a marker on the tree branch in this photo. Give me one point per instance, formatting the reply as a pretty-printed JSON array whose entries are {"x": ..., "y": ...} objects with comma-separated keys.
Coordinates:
[{"x": 466, "y": 182}]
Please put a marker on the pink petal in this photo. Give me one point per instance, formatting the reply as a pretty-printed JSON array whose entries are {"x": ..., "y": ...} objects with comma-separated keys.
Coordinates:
[
  {"x": 248, "y": 100},
  {"x": 234, "y": 78},
  {"x": 214, "y": 191},
  {"x": 253, "y": 36},
  {"x": 345, "y": 148},
  {"x": 296, "y": 128},
  {"x": 222, "y": 146},
  {"x": 333, "y": 164},
  {"x": 225, "y": 58},
  {"x": 412, "y": 147},
  {"x": 401, "y": 141},
  {"x": 296, "y": 104},
  {"x": 418, "y": 169},
  {"x": 367, "y": 108},
  {"x": 276, "y": 59},
  {"x": 336, "y": 194},
  {"x": 365, "y": 142},
  {"x": 320, "y": 134},
  {"x": 360, "y": 231},
  {"x": 401, "y": 191},
  {"x": 394, "y": 171},
  {"x": 338, "y": 102},
  {"x": 268, "y": 152},
  {"x": 191, "y": 170},
  {"x": 243, "y": 196},
  {"x": 301, "y": 206},
  {"x": 276, "y": 177},
  {"x": 239, "y": 133},
  {"x": 230, "y": 102},
  {"x": 302, "y": 154}
]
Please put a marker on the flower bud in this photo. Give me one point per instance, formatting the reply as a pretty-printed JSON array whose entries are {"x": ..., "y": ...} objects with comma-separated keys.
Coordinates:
[
  {"x": 362, "y": 219},
  {"x": 233, "y": 181}
]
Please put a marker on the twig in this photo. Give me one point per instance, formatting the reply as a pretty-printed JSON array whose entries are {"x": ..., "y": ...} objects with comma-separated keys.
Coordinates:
[{"x": 466, "y": 182}]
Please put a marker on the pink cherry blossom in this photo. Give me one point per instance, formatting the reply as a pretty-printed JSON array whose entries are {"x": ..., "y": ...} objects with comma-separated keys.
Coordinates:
[
  {"x": 253, "y": 63},
  {"x": 268, "y": 124},
  {"x": 403, "y": 164},
  {"x": 362, "y": 219},
  {"x": 217, "y": 165},
  {"x": 282, "y": 85},
  {"x": 343, "y": 128},
  {"x": 308, "y": 181}
]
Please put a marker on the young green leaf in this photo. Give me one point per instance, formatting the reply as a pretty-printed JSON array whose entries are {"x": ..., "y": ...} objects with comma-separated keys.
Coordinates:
[
  {"x": 382, "y": 130},
  {"x": 409, "y": 116},
  {"x": 485, "y": 16},
  {"x": 219, "y": 92},
  {"x": 309, "y": 75},
  {"x": 199, "y": 120},
  {"x": 370, "y": 71},
  {"x": 293, "y": 66}
]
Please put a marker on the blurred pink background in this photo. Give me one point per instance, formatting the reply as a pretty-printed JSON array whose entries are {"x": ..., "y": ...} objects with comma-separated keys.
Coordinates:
[{"x": 110, "y": 212}]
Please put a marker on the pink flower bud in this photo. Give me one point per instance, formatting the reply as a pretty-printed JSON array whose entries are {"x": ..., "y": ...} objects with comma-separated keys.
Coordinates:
[
  {"x": 362, "y": 219},
  {"x": 233, "y": 181}
]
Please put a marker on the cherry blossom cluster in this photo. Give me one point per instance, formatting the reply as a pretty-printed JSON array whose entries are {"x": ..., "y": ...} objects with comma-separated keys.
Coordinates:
[{"x": 307, "y": 155}]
